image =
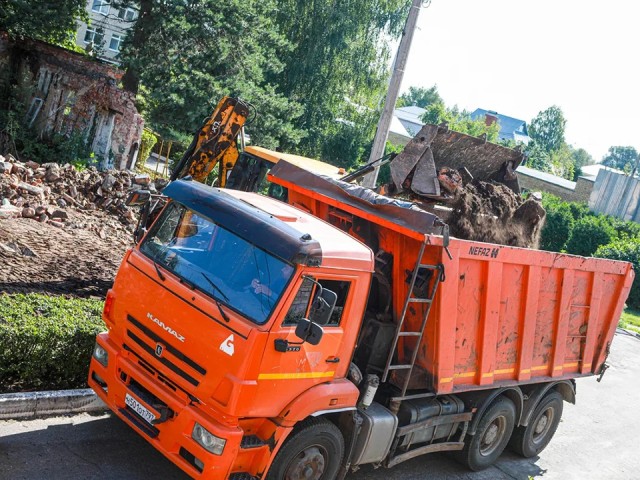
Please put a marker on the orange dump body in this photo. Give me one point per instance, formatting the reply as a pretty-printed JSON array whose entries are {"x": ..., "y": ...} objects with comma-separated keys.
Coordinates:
[{"x": 502, "y": 315}]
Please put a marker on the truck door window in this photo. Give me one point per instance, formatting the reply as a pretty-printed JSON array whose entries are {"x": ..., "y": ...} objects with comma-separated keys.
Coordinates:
[{"x": 301, "y": 303}]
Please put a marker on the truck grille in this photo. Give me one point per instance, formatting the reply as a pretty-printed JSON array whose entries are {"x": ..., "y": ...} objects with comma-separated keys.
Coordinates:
[{"x": 147, "y": 342}]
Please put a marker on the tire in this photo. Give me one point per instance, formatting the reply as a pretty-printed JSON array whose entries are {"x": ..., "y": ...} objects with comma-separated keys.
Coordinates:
[
  {"x": 492, "y": 435},
  {"x": 314, "y": 452},
  {"x": 529, "y": 441}
]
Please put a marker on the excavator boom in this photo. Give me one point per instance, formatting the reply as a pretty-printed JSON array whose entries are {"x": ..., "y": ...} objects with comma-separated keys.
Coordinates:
[{"x": 215, "y": 143}]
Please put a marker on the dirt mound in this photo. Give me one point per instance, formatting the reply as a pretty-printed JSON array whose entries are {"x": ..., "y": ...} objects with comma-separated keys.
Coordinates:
[
  {"x": 494, "y": 213},
  {"x": 63, "y": 231},
  {"x": 78, "y": 260}
]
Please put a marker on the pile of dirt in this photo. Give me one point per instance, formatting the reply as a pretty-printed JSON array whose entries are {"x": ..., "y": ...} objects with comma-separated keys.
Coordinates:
[
  {"x": 78, "y": 261},
  {"x": 493, "y": 213},
  {"x": 63, "y": 231}
]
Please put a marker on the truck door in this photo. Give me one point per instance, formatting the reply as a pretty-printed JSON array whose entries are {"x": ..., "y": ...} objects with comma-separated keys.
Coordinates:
[{"x": 305, "y": 363}]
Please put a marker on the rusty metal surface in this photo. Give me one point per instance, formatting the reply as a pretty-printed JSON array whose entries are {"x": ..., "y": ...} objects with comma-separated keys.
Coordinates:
[
  {"x": 435, "y": 147},
  {"x": 405, "y": 214},
  {"x": 405, "y": 162}
]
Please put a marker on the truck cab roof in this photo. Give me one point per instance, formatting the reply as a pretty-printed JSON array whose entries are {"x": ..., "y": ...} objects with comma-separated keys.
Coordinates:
[{"x": 281, "y": 229}]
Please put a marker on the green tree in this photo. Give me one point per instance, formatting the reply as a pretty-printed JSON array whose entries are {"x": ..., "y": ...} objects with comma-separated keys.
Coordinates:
[
  {"x": 337, "y": 68},
  {"x": 622, "y": 158},
  {"x": 53, "y": 22},
  {"x": 420, "y": 97},
  {"x": 315, "y": 70},
  {"x": 547, "y": 129},
  {"x": 188, "y": 54},
  {"x": 548, "y": 152},
  {"x": 581, "y": 157},
  {"x": 562, "y": 162}
]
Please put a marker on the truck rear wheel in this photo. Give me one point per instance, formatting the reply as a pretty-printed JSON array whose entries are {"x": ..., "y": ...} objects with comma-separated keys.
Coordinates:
[
  {"x": 312, "y": 453},
  {"x": 492, "y": 435},
  {"x": 529, "y": 441}
]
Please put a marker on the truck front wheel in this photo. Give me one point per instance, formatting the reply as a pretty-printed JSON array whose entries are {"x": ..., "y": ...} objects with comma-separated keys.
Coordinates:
[
  {"x": 529, "y": 441},
  {"x": 492, "y": 434},
  {"x": 312, "y": 453}
]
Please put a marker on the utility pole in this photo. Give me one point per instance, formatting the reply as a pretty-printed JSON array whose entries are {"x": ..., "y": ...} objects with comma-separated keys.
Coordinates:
[{"x": 377, "y": 150}]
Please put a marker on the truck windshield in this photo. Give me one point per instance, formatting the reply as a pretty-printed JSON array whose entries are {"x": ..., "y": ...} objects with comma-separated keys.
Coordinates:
[{"x": 207, "y": 257}]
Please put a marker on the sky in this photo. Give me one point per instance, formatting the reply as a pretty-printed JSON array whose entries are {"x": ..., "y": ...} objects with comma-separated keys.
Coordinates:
[{"x": 520, "y": 57}]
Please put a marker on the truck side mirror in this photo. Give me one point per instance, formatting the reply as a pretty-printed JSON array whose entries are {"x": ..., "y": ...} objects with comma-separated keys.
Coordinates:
[
  {"x": 309, "y": 332},
  {"x": 138, "y": 197},
  {"x": 322, "y": 307}
]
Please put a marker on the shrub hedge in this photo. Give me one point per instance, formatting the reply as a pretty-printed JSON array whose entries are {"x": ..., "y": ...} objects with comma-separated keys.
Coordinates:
[
  {"x": 46, "y": 342},
  {"x": 589, "y": 233},
  {"x": 558, "y": 224},
  {"x": 627, "y": 249}
]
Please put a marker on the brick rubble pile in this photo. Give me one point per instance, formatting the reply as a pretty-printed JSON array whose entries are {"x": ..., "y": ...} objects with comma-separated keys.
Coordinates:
[
  {"x": 45, "y": 192},
  {"x": 64, "y": 231}
]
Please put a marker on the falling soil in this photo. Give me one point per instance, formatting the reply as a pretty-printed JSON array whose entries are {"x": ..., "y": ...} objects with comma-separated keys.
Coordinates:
[{"x": 493, "y": 213}]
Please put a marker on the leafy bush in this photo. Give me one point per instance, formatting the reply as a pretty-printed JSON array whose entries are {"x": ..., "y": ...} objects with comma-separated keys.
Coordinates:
[
  {"x": 579, "y": 210},
  {"x": 557, "y": 225},
  {"x": 46, "y": 342},
  {"x": 146, "y": 144},
  {"x": 25, "y": 144},
  {"x": 627, "y": 249},
  {"x": 589, "y": 233},
  {"x": 625, "y": 228}
]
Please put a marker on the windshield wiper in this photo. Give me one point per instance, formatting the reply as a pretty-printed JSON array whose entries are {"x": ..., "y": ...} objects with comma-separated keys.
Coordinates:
[
  {"x": 163, "y": 251},
  {"x": 160, "y": 274},
  {"x": 217, "y": 288}
]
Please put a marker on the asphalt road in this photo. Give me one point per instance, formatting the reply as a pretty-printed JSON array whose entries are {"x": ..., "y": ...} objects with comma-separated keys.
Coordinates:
[{"x": 599, "y": 438}]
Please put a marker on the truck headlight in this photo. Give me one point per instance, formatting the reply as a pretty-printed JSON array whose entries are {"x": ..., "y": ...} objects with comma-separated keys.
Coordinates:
[
  {"x": 207, "y": 440},
  {"x": 101, "y": 355}
]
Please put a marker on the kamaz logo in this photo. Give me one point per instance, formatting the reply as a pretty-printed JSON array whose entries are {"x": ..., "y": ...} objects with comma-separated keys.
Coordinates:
[{"x": 166, "y": 328}]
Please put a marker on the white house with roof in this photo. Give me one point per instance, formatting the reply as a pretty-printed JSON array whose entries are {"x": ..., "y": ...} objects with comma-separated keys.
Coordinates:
[
  {"x": 510, "y": 128},
  {"x": 107, "y": 28},
  {"x": 407, "y": 123}
]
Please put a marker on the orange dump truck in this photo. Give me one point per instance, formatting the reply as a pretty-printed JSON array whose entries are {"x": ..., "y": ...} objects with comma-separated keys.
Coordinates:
[{"x": 251, "y": 338}]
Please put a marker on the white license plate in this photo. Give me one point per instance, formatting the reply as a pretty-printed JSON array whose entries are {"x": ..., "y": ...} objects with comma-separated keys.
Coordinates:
[{"x": 139, "y": 408}]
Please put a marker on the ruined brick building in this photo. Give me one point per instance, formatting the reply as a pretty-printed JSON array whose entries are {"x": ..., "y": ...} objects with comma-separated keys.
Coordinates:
[{"x": 66, "y": 92}]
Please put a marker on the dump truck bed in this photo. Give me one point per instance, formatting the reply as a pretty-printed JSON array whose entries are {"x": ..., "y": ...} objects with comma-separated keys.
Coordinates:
[
  {"x": 507, "y": 315},
  {"x": 502, "y": 315}
]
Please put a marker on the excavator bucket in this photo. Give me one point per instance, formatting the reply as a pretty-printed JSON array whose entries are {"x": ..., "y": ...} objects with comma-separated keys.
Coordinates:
[{"x": 435, "y": 148}]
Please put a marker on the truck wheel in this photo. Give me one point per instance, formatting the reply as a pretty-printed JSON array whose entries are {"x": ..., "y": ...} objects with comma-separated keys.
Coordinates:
[
  {"x": 529, "y": 441},
  {"x": 312, "y": 453},
  {"x": 492, "y": 434}
]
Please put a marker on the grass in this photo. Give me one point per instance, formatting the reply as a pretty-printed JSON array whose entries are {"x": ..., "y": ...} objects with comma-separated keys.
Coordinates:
[{"x": 630, "y": 320}]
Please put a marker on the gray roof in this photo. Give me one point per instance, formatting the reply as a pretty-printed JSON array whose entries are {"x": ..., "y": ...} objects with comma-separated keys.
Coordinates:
[{"x": 546, "y": 177}]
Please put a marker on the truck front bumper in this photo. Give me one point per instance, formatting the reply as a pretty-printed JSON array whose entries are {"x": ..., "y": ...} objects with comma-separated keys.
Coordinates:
[{"x": 133, "y": 393}]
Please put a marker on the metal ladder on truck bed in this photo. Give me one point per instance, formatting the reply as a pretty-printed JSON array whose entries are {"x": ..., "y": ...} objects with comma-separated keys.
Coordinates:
[{"x": 407, "y": 368}]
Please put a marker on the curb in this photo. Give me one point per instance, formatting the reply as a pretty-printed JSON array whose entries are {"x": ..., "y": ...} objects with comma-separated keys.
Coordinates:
[{"x": 57, "y": 402}]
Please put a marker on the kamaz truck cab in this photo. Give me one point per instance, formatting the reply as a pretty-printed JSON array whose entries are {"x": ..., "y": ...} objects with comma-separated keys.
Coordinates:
[{"x": 213, "y": 348}]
